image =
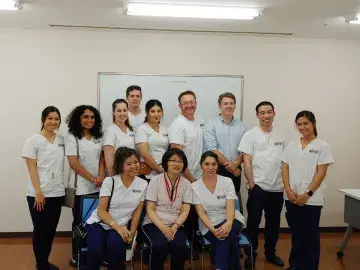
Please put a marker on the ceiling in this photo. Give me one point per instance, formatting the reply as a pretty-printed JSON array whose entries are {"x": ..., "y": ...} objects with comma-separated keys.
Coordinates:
[{"x": 296, "y": 18}]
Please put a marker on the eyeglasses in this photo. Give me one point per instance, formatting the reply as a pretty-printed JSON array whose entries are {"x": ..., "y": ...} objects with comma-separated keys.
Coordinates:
[
  {"x": 176, "y": 161},
  {"x": 186, "y": 103}
]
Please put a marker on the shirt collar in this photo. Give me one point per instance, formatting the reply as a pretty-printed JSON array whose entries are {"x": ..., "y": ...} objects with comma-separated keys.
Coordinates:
[{"x": 224, "y": 122}]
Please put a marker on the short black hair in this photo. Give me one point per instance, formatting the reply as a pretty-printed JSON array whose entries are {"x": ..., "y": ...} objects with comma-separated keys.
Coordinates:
[
  {"x": 209, "y": 154},
  {"x": 120, "y": 156},
  {"x": 74, "y": 123},
  {"x": 263, "y": 103},
  {"x": 46, "y": 112},
  {"x": 169, "y": 153},
  {"x": 132, "y": 88}
]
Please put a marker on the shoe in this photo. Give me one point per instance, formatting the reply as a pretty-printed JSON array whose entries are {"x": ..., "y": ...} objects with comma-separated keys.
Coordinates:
[
  {"x": 73, "y": 263},
  {"x": 50, "y": 267},
  {"x": 248, "y": 265},
  {"x": 275, "y": 260}
]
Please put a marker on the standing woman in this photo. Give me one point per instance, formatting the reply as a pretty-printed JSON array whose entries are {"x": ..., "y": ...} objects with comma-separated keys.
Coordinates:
[
  {"x": 152, "y": 139},
  {"x": 120, "y": 133},
  {"x": 219, "y": 222},
  {"x": 44, "y": 156},
  {"x": 83, "y": 148},
  {"x": 305, "y": 163},
  {"x": 168, "y": 200}
]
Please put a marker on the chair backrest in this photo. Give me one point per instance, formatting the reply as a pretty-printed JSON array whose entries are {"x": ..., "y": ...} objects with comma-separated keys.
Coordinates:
[
  {"x": 88, "y": 204},
  {"x": 237, "y": 204}
]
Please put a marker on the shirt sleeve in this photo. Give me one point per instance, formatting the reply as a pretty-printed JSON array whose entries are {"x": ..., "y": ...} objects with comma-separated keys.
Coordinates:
[
  {"x": 230, "y": 189},
  {"x": 325, "y": 156},
  {"x": 188, "y": 195},
  {"x": 106, "y": 187},
  {"x": 152, "y": 189},
  {"x": 30, "y": 149},
  {"x": 195, "y": 197},
  {"x": 70, "y": 145},
  {"x": 285, "y": 155},
  {"x": 246, "y": 145},
  {"x": 176, "y": 133},
  {"x": 140, "y": 135},
  {"x": 109, "y": 137},
  {"x": 210, "y": 136}
]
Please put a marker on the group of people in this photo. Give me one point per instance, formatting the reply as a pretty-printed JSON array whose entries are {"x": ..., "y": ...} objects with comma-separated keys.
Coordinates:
[{"x": 183, "y": 178}]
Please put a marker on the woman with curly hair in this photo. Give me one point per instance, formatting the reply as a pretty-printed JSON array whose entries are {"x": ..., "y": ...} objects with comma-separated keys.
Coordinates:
[{"x": 83, "y": 147}]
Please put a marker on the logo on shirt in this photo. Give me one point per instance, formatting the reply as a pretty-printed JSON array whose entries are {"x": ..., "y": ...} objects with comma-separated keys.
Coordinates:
[
  {"x": 137, "y": 191},
  {"x": 314, "y": 151},
  {"x": 278, "y": 143},
  {"x": 221, "y": 197},
  {"x": 61, "y": 145},
  {"x": 131, "y": 135},
  {"x": 97, "y": 141},
  {"x": 202, "y": 125},
  {"x": 165, "y": 135}
]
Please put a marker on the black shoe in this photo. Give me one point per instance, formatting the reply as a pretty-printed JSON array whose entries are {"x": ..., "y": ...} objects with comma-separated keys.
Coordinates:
[
  {"x": 248, "y": 265},
  {"x": 275, "y": 260},
  {"x": 50, "y": 267},
  {"x": 73, "y": 263}
]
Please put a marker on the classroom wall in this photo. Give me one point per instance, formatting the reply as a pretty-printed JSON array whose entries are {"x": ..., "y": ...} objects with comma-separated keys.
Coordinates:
[{"x": 43, "y": 67}]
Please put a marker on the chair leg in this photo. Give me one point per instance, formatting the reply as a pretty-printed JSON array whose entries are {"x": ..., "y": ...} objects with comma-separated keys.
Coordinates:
[
  {"x": 252, "y": 258},
  {"x": 78, "y": 261},
  {"x": 141, "y": 259},
  {"x": 202, "y": 258}
]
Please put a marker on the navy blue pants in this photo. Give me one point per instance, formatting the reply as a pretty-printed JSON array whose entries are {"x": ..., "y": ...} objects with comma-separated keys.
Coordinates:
[
  {"x": 226, "y": 251},
  {"x": 305, "y": 239},
  {"x": 103, "y": 244},
  {"x": 160, "y": 247},
  {"x": 236, "y": 180},
  {"x": 76, "y": 211},
  {"x": 271, "y": 203},
  {"x": 45, "y": 223}
]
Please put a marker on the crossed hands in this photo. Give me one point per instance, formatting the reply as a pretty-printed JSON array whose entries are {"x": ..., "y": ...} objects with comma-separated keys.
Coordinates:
[{"x": 295, "y": 198}]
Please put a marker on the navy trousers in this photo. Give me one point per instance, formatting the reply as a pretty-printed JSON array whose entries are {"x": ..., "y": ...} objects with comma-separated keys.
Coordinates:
[
  {"x": 305, "y": 239},
  {"x": 271, "y": 203},
  {"x": 103, "y": 244},
  {"x": 160, "y": 247},
  {"x": 45, "y": 223},
  {"x": 226, "y": 251}
]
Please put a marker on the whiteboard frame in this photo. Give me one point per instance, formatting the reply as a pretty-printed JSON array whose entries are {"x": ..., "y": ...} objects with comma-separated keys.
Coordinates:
[{"x": 241, "y": 77}]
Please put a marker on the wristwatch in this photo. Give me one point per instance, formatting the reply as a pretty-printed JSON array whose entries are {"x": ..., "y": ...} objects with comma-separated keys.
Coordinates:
[{"x": 309, "y": 192}]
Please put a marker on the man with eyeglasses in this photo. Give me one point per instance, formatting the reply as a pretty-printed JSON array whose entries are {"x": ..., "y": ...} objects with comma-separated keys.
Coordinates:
[
  {"x": 186, "y": 133},
  {"x": 222, "y": 136}
]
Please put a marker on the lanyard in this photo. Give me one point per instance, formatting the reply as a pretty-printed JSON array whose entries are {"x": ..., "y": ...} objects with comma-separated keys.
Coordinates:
[{"x": 170, "y": 193}]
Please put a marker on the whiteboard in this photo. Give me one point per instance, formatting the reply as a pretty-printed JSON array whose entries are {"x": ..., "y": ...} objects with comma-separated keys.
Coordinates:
[{"x": 166, "y": 88}]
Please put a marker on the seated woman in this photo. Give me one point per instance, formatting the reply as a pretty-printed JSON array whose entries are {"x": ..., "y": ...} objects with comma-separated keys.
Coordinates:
[
  {"x": 168, "y": 200},
  {"x": 107, "y": 228},
  {"x": 214, "y": 199}
]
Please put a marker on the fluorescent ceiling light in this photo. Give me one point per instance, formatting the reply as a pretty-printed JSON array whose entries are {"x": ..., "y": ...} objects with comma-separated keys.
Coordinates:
[
  {"x": 191, "y": 11},
  {"x": 354, "y": 19},
  {"x": 9, "y": 4}
]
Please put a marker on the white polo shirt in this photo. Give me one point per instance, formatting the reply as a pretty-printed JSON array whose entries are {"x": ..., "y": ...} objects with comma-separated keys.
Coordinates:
[
  {"x": 214, "y": 204},
  {"x": 158, "y": 142},
  {"x": 89, "y": 157},
  {"x": 189, "y": 134},
  {"x": 265, "y": 147},
  {"x": 303, "y": 166},
  {"x": 49, "y": 163},
  {"x": 124, "y": 200},
  {"x": 113, "y": 136},
  {"x": 167, "y": 212},
  {"x": 136, "y": 120}
]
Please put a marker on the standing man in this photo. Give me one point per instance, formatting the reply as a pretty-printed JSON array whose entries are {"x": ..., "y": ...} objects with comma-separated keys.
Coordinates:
[
  {"x": 133, "y": 97},
  {"x": 222, "y": 136},
  {"x": 261, "y": 147},
  {"x": 186, "y": 133}
]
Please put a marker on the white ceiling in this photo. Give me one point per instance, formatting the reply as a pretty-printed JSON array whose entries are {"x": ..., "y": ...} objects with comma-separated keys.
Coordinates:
[{"x": 300, "y": 18}]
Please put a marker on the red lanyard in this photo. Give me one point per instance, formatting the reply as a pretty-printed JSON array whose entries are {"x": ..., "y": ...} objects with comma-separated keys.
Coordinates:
[{"x": 170, "y": 192}]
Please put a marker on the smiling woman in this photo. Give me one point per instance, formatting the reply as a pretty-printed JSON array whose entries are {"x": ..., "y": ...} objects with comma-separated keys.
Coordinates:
[{"x": 83, "y": 147}]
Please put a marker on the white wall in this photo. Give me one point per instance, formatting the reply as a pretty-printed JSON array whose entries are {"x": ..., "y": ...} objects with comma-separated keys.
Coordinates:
[{"x": 43, "y": 67}]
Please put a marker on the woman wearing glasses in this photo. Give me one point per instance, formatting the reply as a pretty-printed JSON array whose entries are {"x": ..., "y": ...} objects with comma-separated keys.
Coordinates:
[{"x": 168, "y": 198}]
